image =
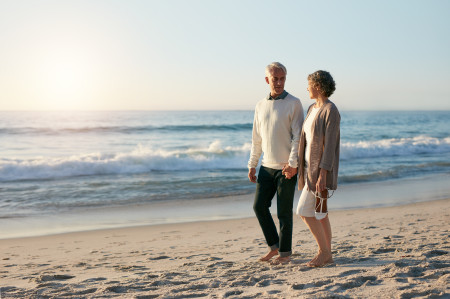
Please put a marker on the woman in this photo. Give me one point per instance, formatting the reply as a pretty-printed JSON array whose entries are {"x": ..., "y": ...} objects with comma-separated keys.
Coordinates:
[{"x": 319, "y": 162}]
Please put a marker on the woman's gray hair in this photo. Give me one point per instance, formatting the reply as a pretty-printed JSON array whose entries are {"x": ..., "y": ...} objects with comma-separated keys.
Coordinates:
[
  {"x": 323, "y": 81},
  {"x": 275, "y": 65}
]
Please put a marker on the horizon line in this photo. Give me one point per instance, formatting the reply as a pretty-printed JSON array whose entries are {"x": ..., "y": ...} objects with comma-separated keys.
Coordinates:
[{"x": 216, "y": 110}]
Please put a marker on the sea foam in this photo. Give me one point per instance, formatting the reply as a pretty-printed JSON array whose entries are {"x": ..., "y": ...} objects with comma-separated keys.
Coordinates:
[
  {"x": 394, "y": 147},
  {"x": 215, "y": 156},
  {"x": 140, "y": 160}
]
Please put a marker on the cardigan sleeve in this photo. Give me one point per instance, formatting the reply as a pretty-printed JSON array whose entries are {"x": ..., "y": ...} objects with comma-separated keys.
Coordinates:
[{"x": 332, "y": 128}]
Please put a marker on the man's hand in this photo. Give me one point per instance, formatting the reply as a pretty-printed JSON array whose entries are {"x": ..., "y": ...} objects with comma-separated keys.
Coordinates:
[
  {"x": 252, "y": 175},
  {"x": 289, "y": 172}
]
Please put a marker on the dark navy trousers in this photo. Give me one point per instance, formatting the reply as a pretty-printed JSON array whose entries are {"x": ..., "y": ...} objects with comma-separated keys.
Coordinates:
[{"x": 270, "y": 182}]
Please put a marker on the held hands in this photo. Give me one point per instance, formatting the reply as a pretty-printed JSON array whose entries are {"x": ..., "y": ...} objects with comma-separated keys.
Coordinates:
[
  {"x": 289, "y": 172},
  {"x": 252, "y": 175}
]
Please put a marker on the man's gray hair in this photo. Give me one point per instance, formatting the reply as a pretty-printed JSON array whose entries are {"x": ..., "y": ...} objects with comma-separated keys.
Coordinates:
[{"x": 275, "y": 65}]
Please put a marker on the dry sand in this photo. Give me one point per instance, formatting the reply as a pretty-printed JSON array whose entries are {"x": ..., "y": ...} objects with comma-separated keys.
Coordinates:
[{"x": 394, "y": 252}]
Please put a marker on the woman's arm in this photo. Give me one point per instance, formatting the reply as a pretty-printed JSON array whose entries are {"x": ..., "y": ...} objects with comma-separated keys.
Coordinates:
[
  {"x": 332, "y": 127},
  {"x": 322, "y": 181}
]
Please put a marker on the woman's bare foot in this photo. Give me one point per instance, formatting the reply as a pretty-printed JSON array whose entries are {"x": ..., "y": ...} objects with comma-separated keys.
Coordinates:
[
  {"x": 269, "y": 255},
  {"x": 281, "y": 260},
  {"x": 321, "y": 259},
  {"x": 313, "y": 260}
]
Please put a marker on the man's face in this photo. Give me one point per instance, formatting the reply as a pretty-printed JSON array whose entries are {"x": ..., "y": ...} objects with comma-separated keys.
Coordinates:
[{"x": 276, "y": 82}]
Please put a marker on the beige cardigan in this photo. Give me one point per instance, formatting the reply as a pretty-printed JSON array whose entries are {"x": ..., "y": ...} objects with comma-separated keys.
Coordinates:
[{"x": 324, "y": 148}]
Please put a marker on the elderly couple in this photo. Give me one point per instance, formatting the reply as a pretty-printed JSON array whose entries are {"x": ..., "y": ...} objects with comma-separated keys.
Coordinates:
[{"x": 292, "y": 146}]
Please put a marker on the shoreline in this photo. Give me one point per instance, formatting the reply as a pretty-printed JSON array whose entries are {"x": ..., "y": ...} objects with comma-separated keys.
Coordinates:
[
  {"x": 219, "y": 222},
  {"x": 347, "y": 197},
  {"x": 399, "y": 252}
]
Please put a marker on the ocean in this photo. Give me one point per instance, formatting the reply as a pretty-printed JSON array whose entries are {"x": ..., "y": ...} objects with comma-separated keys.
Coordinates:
[{"x": 73, "y": 163}]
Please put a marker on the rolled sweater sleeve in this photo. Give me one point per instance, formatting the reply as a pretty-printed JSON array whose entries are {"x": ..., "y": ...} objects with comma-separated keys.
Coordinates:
[
  {"x": 296, "y": 129},
  {"x": 256, "y": 150}
]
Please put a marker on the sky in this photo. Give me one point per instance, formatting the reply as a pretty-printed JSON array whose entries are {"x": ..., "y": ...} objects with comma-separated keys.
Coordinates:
[{"x": 211, "y": 55}]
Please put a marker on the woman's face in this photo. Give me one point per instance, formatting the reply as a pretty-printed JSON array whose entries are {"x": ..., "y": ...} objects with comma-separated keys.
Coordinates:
[{"x": 313, "y": 92}]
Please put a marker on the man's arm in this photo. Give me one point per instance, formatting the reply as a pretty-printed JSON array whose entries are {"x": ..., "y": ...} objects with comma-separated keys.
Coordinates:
[
  {"x": 296, "y": 129},
  {"x": 256, "y": 150},
  {"x": 291, "y": 168}
]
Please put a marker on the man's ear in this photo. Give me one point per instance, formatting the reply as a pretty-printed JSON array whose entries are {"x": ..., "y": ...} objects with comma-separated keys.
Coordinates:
[{"x": 267, "y": 80}]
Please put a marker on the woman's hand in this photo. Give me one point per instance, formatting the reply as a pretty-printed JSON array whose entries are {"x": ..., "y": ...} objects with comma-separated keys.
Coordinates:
[{"x": 322, "y": 181}]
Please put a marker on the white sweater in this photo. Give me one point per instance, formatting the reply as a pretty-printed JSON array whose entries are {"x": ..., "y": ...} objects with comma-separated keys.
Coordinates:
[{"x": 276, "y": 132}]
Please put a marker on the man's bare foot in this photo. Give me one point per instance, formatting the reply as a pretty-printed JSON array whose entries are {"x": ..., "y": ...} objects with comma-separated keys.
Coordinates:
[
  {"x": 269, "y": 255},
  {"x": 321, "y": 259},
  {"x": 281, "y": 260}
]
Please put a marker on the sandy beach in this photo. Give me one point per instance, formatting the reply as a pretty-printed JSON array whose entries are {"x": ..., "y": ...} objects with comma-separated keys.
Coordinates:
[{"x": 389, "y": 252}]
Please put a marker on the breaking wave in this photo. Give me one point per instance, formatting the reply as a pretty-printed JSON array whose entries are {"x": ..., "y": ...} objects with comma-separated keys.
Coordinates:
[
  {"x": 215, "y": 156},
  {"x": 394, "y": 147}
]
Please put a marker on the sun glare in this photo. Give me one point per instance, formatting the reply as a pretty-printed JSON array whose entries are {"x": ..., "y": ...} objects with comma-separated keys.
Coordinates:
[{"x": 64, "y": 80}]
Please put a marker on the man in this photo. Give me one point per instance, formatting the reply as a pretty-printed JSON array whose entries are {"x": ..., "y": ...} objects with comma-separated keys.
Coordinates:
[{"x": 276, "y": 133}]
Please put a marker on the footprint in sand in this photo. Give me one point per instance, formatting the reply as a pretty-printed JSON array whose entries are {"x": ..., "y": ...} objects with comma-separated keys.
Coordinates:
[
  {"x": 161, "y": 257},
  {"x": 383, "y": 250},
  {"x": 117, "y": 289},
  {"x": 439, "y": 265},
  {"x": 10, "y": 265},
  {"x": 147, "y": 296},
  {"x": 78, "y": 293},
  {"x": 212, "y": 258},
  {"x": 433, "y": 253},
  {"x": 221, "y": 265},
  {"x": 370, "y": 227},
  {"x": 189, "y": 264},
  {"x": 265, "y": 283},
  {"x": 129, "y": 268},
  {"x": 232, "y": 293},
  {"x": 96, "y": 279},
  {"x": 298, "y": 286},
  {"x": 44, "y": 278},
  {"x": 433, "y": 293},
  {"x": 359, "y": 281},
  {"x": 350, "y": 272},
  {"x": 319, "y": 283}
]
